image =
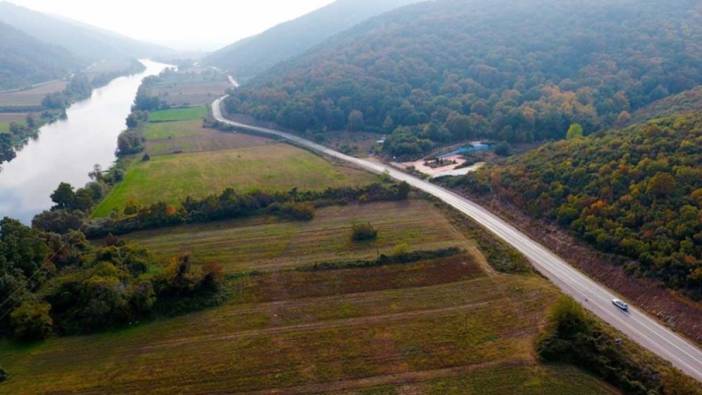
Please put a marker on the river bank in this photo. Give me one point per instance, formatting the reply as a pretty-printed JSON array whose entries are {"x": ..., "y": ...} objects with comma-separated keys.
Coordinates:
[{"x": 66, "y": 150}]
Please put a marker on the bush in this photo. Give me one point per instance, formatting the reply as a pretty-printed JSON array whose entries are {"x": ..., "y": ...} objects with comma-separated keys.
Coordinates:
[
  {"x": 574, "y": 337},
  {"x": 31, "y": 321},
  {"x": 364, "y": 232},
  {"x": 503, "y": 149},
  {"x": 295, "y": 211}
]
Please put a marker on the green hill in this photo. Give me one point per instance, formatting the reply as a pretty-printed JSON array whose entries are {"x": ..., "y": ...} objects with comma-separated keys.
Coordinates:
[
  {"x": 87, "y": 42},
  {"x": 636, "y": 192},
  {"x": 253, "y": 55},
  {"x": 451, "y": 70},
  {"x": 26, "y": 61}
]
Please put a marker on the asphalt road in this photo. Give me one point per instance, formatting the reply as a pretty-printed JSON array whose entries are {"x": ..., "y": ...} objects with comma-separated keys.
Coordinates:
[{"x": 637, "y": 325}]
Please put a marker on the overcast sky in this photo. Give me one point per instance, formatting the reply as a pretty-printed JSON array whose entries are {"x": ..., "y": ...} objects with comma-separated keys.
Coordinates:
[{"x": 180, "y": 24}]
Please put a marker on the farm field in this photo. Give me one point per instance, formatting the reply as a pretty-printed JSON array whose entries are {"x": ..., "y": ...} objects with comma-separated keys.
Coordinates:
[
  {"x": 439, "y": 326},
  {"x": 192, "y": 88},
  {"x": 30, "y": 97},
  {"x": 189, "y": 160},
  {"x": 275, "y": 167},
  {"x": 266, "y": 244},
  {"x": 7, "y": 118},
  {"x": 188, "y": 136},
  {"x": 178, "y": 114}
]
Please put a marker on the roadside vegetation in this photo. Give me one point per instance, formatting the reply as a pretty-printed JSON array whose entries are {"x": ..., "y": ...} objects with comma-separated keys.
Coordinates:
[
  {"x": 635, "y": 192},
  {"x": 574, "y": 336}
]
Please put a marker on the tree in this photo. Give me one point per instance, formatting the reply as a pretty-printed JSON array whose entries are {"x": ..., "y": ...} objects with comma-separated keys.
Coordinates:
[
  {"x": 575, "y": 131},
  {"x": 356, "y": 121},
  {"x": 7, "y": 152},
  {"x": 64, "y": 196},
  {"x": 503, "y": 149},
  {"x": 623, "y": 119},
  {"x": 31, "y": 321},
  {"x": 662, "y": 184},
  {"x": 459, "y": 126},
  {"x": 363, "y": 232}
]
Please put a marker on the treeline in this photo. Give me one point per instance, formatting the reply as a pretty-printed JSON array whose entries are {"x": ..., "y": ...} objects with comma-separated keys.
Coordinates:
[
  {"x": 518, "y": 72},
  {"x": 81, "y": 86},
  {"x": 230, "y": 204},
  {"x": 53, "y": 107},
  {"x": 636, "y": 192},
  {"x": 131, "y": 141},
  {"x": 19, "y": 134},
  {"x": 54, "y": 284},
  {"x": 573, "y": 336},
  {"x": 72, "y": 207}
]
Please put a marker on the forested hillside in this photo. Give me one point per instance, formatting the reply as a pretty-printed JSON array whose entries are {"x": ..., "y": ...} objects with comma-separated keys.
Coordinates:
[
  {"x": 690, "y": 100},
  {"x": 26, "y": 61},
  {"x": 448, "y": 70},
  {"x": 86, "y": 42},
  {"x": 253, "y": 55},
  {"x": 635, "y": 192}
]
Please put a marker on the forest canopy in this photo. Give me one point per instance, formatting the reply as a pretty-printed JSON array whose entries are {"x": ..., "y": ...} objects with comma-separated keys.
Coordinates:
[
  {"x": 636, "y": 192},
  {"x": 452, "y": 70}
]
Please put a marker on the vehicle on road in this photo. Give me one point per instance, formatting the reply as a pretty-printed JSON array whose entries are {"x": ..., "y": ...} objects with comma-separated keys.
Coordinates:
[{"x": 620, "y": 305}]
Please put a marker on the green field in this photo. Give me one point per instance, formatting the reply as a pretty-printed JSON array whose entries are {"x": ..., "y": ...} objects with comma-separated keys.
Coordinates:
[
  {"x": 178, "y": 114},
  {"x": 441, "y": 326},
  {"x": 7, "y": 118},
  {"x": 189, "y": 136},
  {"x": 266, "y": 244},
  {"x": 274, "y": 167}
]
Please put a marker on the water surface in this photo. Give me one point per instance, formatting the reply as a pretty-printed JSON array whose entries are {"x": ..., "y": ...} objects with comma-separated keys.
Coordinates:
[{"x": 67, "y": 150}]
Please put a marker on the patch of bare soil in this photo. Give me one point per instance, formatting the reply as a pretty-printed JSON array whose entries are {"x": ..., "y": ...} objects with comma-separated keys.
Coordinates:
[{"x": 672, "y": 308}]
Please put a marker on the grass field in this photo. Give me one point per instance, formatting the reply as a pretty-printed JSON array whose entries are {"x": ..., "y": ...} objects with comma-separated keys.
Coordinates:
[
  {"x": 274, "y": 167},
  {"x": 441, "y": 326},
  {"x": 191, "y": 88},
  {"x": 268, "y": 244},
  {"x": 30, "y": 97},
  {"x": 7, "y": 118},
  {"x": 189, "y": 160},
  {"x": 189, "y": 136},
  {"x": 178, "y": 114}
]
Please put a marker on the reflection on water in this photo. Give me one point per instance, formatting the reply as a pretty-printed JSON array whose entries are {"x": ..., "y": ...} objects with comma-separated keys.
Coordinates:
[{"x": 67, "y": 150}]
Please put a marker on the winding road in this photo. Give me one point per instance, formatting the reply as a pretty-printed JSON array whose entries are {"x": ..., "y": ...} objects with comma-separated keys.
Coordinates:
[{"x": 637, "y": 325}]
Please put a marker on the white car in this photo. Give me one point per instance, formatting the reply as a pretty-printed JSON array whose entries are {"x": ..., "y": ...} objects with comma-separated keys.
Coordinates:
[{"x": 620, "y": 305}]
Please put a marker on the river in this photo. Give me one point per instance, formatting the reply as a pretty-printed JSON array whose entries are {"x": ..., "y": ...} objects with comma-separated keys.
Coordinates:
[{"x": 67, "y": 150}]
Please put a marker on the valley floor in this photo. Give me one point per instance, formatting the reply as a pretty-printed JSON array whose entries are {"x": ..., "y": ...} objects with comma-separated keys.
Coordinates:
[{"x": 438, "y": 326}]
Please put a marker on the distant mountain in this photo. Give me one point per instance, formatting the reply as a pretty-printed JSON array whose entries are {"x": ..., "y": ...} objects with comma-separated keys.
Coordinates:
[
  {"x": 250, "y": 56},
  {"x": 447, "y": 71},
  {"x": 87, "y": 42},
  {"x": 25, "y": 60}
]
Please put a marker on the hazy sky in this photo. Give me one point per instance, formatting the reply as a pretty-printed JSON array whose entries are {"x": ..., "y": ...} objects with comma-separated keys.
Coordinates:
[{"x": 180, "y": 24}]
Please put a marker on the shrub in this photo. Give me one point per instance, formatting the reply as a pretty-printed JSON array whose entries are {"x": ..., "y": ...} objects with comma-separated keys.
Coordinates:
[
  {"x": 574, "y": 337},
  {"x": 295, "y": 211},
  {"x": 31, "y": 321},
  {"x": 503, "y": 149},
  {"x": 364, "y": 232}
]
